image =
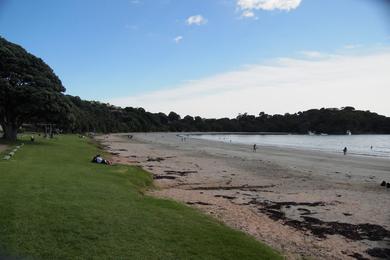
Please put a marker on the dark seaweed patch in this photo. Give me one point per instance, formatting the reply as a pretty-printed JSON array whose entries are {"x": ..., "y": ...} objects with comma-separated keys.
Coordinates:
[
  {"x": 321, "y": 228},
  {"x": 160, "y": 177},
  {"x": 225, "y": 197},
  {"x": 358, "y": 256},
  {"x": 180, "y": 173},
  {"x": 379, "y": 252},
  {"x": 157, "y": 159},
  {"x": 199, "y": 203},
  {"x": 242, "y": 187}
]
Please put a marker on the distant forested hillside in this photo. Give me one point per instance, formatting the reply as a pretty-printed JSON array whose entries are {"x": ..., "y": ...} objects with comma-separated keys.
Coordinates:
[{"x": 90, "y": 116}]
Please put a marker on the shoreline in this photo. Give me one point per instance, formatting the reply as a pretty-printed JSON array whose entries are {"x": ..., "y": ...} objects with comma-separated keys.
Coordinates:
[
  {"x": 293, "y": 148},
  {"x": 302, "y": 203}
]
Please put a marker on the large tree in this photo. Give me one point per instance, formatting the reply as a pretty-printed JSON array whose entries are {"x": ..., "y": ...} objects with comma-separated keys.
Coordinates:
[{"x": 29, "y": 90}]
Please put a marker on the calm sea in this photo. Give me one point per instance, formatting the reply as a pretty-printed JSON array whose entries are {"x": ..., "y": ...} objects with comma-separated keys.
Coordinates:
[{"x": 356, "y": 144}]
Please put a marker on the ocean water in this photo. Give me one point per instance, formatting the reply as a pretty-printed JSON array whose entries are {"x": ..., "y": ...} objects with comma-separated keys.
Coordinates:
[{"x": 356, "y": 144}]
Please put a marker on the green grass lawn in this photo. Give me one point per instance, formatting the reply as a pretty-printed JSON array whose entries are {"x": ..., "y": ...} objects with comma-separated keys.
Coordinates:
[{"x": 55, "y": 204}]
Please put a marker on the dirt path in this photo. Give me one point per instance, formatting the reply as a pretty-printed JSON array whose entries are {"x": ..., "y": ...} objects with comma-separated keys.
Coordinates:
[{"x": 3, "y": 147}]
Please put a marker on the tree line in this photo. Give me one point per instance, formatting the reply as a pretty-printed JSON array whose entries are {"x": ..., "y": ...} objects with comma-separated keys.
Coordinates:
[
  {"x": 99, "y": 117},
  {"x": 31, "y": 93}
]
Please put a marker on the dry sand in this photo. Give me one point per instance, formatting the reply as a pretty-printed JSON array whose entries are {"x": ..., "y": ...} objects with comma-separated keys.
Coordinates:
[{"x": 314, "y": 204}]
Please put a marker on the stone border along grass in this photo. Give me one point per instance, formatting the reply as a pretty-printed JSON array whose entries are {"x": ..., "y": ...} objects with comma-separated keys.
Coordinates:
[{"x": 8, "y": 156}]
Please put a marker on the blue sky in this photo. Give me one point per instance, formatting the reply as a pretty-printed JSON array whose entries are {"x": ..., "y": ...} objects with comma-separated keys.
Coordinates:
[{"x": 109, "y": 50}]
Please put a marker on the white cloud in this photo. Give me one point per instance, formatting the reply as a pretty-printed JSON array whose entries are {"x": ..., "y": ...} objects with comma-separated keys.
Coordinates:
[
  {"x": 248, "y": 6},
  {"x": 285, "y": 85},
  {"x": 268, "y": 5},
  {"x": 352, "y": 46},
  {"x": 313, "y": 54},
  {"x": 196, "y": 20},
  {"x": 178, "y": 39},
  {"x": 248, "y": 14}
]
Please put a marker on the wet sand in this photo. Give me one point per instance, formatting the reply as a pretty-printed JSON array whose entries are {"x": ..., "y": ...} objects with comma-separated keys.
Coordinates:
[{"x": 304, "y": 203}]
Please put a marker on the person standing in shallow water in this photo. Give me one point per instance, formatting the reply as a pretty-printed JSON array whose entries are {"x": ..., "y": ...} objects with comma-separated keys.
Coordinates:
[
  {"x": 254, "y": 147},
  {"x": 345, "y": 150}
]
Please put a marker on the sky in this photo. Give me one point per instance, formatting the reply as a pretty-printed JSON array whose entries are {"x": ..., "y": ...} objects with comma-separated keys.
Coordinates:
[{"x": 213, "y": 58}]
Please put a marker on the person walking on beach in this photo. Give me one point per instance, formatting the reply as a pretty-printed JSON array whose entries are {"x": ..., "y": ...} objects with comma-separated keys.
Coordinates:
[
  {"x": 345, "y": 150},
  {"x": 254, "y": 148}
]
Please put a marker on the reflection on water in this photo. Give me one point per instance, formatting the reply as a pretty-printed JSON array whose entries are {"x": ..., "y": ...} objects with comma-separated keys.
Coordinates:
[{"x": 369, "y": 145}]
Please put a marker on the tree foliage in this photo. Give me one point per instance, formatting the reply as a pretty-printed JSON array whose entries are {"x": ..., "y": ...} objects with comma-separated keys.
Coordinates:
[
  {"x": 100, "y": 117},
  {"x": 29, "y": 90}
]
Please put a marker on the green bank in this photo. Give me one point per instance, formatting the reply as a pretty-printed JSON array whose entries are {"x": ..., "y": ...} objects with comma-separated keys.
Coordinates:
[{"x": 55, "y": 204}]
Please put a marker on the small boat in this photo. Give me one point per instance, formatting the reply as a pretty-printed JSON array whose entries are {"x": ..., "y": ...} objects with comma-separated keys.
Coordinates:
[
  {"x": 323, "y": 134},
  {"x": 348, "y": 132},
  {"x": 311, "y": 133}
]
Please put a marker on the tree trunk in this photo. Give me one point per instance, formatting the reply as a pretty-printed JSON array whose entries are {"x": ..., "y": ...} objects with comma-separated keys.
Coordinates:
[{"x": 10, "y": 132}]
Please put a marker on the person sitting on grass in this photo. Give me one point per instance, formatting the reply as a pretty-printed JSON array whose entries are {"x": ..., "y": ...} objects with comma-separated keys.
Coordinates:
[{"x": 99, "y": 159}]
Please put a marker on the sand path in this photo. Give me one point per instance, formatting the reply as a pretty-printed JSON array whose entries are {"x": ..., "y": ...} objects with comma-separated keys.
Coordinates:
[
  {"x": 313, "y": 204},
  {"x": 3, "y": 147}
]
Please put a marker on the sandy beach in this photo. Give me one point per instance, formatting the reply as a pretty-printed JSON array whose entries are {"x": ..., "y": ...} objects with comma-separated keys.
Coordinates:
[{"x": 303, "y": 203}]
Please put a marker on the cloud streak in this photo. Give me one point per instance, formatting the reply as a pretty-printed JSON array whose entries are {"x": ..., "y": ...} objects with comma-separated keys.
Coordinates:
[
  {"x": 249, "y": 6},
  {"x": 178, "y": 39},
  {"x": 196, "y": 20},
  {"x": 268, "y": 5},
  {"x": 313, "y": 54},
  {"x": 285, "y": 85}
]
